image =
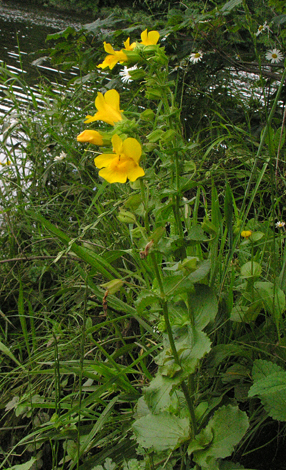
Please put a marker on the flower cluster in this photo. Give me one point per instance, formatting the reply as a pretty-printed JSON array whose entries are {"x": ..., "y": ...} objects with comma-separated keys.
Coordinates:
[
  {"x": 123, "y": 163},
  {"x": 113, "y": 57}
]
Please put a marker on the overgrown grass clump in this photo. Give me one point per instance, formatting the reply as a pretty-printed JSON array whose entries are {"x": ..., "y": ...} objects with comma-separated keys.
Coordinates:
[{"x": 143, "y": 266}]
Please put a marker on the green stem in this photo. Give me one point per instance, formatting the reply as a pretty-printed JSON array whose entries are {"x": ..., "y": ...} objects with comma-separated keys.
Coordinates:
[{"x": 173, "y": 345}]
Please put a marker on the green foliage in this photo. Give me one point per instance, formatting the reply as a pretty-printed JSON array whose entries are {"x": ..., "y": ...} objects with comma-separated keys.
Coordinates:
[
  {"x": 224, "y": 430},
  {"x": 269, "y": 384},
  {"x": 133, "y": 314}
]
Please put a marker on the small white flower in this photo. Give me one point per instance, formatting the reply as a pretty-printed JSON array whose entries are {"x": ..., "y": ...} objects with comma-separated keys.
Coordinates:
[
  {"x": 125, "y": 75},
  {"x": 280, "y": 224},
  {"x": 262, "y": 28},
  {"x": 61, "y": 157},
  {"x": 274, "y": 56},
  {"x": 196, "y": 57}
]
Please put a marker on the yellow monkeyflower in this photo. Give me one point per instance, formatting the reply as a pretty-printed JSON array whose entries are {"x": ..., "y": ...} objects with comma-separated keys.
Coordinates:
[
  {"x": 123, "y": 163},
  {"x": 150, "y": 39},
  {"x": 108, "y": 108},
  {"x": 93, "y": 137},
  {"x": 113, "y": 57},
  {"x": 128, "y": 46},
  {"x": 246, "y": 233}
]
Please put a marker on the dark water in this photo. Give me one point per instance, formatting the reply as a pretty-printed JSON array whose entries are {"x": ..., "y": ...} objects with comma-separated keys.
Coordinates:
[{"x": 23, "y": 31}]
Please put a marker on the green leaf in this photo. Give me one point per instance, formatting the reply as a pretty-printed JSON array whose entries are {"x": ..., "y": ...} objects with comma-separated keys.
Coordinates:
[
  {"x": 23, "y": 466},
  {"x": 161, "y": 432},
  {"x": 228, "y": 6},
  {"x": 262, "y": 369},
  {"x": 251, "y": 269},
  {"x": 8, "y": 353},
  {"x": 88, "y": 256},
  {"x": 204, "y": 305},
  {"x": 226, "y": 465},
  {"x": 199, "y": 274},
  {"x": 197, "y": 234},
  {"x": 270, "y": 386},
  {"x": 191, "y": 343},
  {"x": 228, "y": 426},
  {"x": 146, "y": 299},
  {"x": 272, "y": 297},
  {"x": 158, "y": 393},
  {"x": 134, "y": 464}
]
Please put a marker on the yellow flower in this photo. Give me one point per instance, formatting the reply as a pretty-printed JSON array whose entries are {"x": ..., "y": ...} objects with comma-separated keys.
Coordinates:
[
  {"x": 246, "y": 233},
  {"x": 150, "y": 39},
  {"x": 93, "y": 137},
  {"x": 113, "y": 57},
  {"x": 128, "y": 46},
  {"x": 123, "y": 163},
  {"x": 108, "y": 108}
]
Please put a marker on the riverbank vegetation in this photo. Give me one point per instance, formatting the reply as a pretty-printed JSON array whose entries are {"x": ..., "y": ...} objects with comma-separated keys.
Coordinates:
[
  {"x": 142, "y": 246},
  {"x": 98, "y": 7}
]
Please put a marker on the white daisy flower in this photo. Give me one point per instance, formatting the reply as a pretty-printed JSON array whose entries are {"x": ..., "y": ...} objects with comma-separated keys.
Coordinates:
[
  {"x": 125, "y": 75},
  {"x": 274, "y": 56},
  {"x": 61, "y": 157},
  {"x": 261, "y": 28},
  {"x": 280, "y": 224},
  {"x": 196, "y": 57}
]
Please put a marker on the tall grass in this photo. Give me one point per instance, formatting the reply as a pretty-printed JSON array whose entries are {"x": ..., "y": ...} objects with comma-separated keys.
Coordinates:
[{"x": 196, "y": 325}]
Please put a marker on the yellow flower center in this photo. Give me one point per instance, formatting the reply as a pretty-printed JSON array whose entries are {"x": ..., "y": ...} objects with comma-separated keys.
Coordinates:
[
  {"x": 197, "y": 55},
  {"x": 274, "y": 56}
]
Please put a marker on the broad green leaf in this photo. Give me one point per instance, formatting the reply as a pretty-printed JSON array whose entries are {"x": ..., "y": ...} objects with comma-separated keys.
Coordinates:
[
  {"x": 23, "y": 466},
  {"x": 228, "y": 426},
  {"x": 134, "y": 464},
  {"x": 270, "y": 386},
  {"x": 204, "y": 305},
  {"x": 247, "y": 314},
  {"x": 145, "y": 299},
  {"x": 272, "y": 297},
  {"x": 251, "y": 269},
  {"x": 262, "y": 369},
  {"x": 197, "y": 234},
  {"x": 226, "y": 465},
  {"x": 256, "y": 236},
  {"x": 161, "y": 432},
  {"x": 199, "y": 274},
  {"x": 158, "y": 394},
  {"x": 192, "y": 344}
]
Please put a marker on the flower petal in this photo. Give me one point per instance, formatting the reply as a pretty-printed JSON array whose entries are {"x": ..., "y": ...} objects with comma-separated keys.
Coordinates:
[
  {"x": 132, "y": 149},
  {"x": 135, "y": 173},
  {"x": 113, "y": 99},
  {"x": 150, "y": 39},
  {"x": 108, "y": 107},
  {"x": 109, "y": 61},
  {"x": 112, "y": 176},
  {"x": 144, "y": 36},
  {"x": 105, "y": 159},
  {"x": 90, "y": 136},
  {"x": 153, "y": 37},
  {"x": 128, "y": 46},
  {"x": 108, "y": 48},
  {"x": 117, "y": 144}
]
